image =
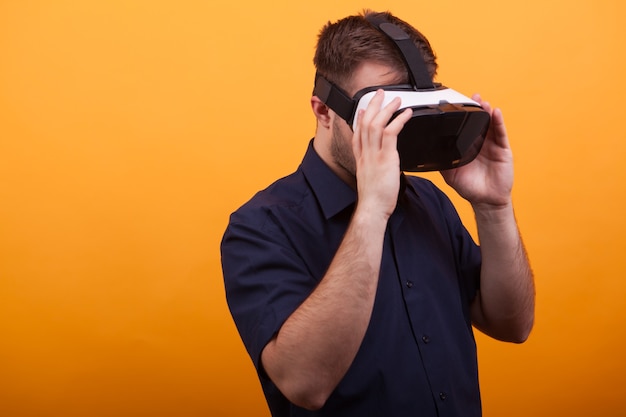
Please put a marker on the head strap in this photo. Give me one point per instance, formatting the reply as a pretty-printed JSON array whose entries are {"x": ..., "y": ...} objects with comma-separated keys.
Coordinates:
[
  {"x": 345, "y": 106},
  {"x": 418, "y": 71},
  {"x": 335, "y": 98}
]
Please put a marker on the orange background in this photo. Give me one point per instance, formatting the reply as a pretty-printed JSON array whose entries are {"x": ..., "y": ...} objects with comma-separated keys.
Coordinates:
[{"x": 129, "y": 130}]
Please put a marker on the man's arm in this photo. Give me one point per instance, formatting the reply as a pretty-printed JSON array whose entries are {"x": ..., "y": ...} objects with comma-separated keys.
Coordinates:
[
  {"x": 317, "y": 344},
  {"x": 504, "y": 307}
]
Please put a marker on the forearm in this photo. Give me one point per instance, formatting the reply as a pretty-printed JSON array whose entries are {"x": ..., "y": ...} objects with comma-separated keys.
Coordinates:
[
  {"x": 316, "y": 345},
  {"x": 504, "y": 308}
]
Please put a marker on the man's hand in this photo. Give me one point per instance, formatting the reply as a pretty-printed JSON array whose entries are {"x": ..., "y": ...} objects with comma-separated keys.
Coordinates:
[
  {"x": 487, "y": 180},
  {"x": 374, "y": 144},
  {"x": 504, "y": 306}
]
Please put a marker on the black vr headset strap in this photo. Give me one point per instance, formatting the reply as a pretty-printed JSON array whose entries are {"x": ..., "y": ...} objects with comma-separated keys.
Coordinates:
[
  {"x": 410, "y": 53},
  {"x": 335, "y": 98},
  {"x": 345, "y": 106}
]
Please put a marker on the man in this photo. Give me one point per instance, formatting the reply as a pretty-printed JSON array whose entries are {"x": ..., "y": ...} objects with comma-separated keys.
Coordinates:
[{"x": 355, "y": 287}]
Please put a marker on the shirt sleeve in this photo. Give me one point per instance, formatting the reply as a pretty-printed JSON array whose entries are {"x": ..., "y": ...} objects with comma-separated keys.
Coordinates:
[{"x": 265, "y": 279}]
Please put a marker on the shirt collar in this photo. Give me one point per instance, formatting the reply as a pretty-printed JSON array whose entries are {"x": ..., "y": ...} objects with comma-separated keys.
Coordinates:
[{"x": 331, "y": 192}]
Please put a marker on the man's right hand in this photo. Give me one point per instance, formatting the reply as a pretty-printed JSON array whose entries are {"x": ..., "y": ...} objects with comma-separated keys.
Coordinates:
[{"x": 374, "y": 144}]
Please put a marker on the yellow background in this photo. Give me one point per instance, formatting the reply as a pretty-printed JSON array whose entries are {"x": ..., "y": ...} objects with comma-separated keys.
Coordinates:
[{"x": 129, "y": 130}]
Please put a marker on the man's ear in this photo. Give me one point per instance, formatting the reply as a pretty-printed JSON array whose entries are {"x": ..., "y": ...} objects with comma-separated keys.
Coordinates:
[{"x": 321, "y": 111}]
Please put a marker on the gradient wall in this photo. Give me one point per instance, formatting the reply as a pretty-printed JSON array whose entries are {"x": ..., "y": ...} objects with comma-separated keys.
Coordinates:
[{"x": 129, "y": 130}]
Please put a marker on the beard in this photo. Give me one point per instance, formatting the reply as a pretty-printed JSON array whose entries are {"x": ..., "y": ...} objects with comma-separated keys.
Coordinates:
[{"x": 341, "y": 148}]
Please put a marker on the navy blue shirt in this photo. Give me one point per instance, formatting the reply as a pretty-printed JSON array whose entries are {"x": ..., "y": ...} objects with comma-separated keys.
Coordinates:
[{"x": 418, "y": 356}]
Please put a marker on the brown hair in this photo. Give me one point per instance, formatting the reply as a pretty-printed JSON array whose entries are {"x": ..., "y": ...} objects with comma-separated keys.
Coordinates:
[{"x": 342, "y": 46}]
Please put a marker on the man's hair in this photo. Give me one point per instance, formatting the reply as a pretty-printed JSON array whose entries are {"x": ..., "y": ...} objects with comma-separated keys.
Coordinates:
[{"x": 344, "y": 45}]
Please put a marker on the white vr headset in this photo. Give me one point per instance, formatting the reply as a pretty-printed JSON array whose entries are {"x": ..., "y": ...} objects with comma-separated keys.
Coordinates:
[{"x": 446, "y": 129}]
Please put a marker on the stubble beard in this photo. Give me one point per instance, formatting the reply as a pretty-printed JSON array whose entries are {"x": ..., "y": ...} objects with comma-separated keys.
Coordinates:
[{"x": 341, "y": 150}]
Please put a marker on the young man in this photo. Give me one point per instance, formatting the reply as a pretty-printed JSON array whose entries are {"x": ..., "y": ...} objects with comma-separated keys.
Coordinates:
[{"x": 355, "y": 287}]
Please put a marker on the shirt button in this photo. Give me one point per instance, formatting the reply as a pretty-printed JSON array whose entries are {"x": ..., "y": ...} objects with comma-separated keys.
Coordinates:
[
  {"x": 426, "y": 339},
  {"x": 409, "y": 284},
  {"x": 443, "y": 396}
]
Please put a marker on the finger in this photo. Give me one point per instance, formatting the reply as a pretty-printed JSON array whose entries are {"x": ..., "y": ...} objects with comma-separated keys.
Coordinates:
[
  {"x": 374, "y": 105},
  {"x": 376, "y": 118},
  {"x": 499, "y": 128},
  {"x": 393, "y": 129},
  {"x": 385, "y": 114},
  {"x": 379, "y": 123},
  {"x": 486, "y": 106},
  {"x": 396, "y": 125},
  {"x": 357, "y": 145},
  {"x": 372, "y": 109}
]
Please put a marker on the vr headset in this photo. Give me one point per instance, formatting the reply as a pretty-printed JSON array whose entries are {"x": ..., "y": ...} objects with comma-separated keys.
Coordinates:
[{"x": 446, "y": 130}]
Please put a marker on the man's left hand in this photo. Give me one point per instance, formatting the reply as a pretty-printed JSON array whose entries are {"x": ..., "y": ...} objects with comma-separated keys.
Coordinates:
[{"x": 488, "y": 179}]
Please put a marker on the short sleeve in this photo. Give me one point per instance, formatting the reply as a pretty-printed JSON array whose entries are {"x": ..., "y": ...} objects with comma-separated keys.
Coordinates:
[{"x": 264, "y": 278}]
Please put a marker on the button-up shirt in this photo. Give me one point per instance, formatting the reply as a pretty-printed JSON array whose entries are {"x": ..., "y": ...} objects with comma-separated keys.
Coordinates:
[{"x": 418, "y": 355}]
